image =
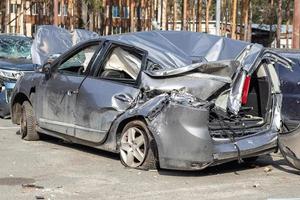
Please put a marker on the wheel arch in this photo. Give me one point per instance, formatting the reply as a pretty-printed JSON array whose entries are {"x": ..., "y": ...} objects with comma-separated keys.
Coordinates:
[
  {"x": 16, "y": 104},
  {"x": 142, "y": 118},
  {"x": 125, "y": 121}
]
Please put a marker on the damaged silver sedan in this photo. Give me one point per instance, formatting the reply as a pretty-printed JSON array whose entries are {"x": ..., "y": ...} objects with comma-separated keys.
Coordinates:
[{"x": 174, "y": 100}]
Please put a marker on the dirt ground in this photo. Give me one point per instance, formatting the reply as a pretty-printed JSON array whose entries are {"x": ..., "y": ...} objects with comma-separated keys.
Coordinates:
[{"x": 51, "y": 169}]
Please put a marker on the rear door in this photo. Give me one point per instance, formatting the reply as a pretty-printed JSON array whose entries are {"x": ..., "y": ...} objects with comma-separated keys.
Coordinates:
[{"x": 110, "y": 91}]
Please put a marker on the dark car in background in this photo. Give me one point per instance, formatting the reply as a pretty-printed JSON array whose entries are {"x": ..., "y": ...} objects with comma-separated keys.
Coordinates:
[
  {"x": 290, "y": 87},
  {"x": 15, "y": 60}
]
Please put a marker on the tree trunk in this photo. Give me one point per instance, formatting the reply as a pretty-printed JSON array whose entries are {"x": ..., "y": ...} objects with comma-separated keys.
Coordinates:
[
  {"x": 164, "y": 23},
  {"x": 193, "y": 15},
  {"x": 279, "y": 21},
  {"x": 184, "y": 15},
  {"x": 249, "y": 32},
  {"x": 174, "y": 14},
  {"x": 199, "y": 16},
  {"x": 288, "y": 16},
  {"x": 271, "y": 21},
  {"x": 138, "y": 15},
  {"x": 110, "y": 17},
  {"x": 208, "y": 4},
  {"x": 226, "y": 16},
  {"x": 245, "y": 20},
  {"x": 296, "y": 25},
  {"x": 132, "y": 15},
  {"x": 233, "y": 19}
]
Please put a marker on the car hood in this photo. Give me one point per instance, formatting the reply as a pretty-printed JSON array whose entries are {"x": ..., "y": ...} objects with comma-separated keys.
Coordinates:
[{"x": 20, "y": 64}]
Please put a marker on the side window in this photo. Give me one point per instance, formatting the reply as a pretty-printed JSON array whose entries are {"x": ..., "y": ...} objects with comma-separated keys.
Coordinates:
[
  {"x": 121, "y": 64},
  {"x": 78, "y": 63}
]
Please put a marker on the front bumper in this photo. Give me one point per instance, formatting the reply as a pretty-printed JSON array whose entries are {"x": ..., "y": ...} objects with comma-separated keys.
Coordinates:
[{"x": 5, "y": 96}]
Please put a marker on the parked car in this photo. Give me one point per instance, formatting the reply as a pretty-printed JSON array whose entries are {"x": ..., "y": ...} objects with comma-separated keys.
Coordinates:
[
  {"x": 174, "y": 100},
  {"x": 15, "y": 60},
  {"x": 290, "y": 87}
]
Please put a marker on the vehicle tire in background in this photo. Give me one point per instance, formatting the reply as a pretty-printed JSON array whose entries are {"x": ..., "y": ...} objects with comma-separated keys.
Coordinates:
[
  {"x": 28, "y": 123},
  {"x": 137, "y": 146}
]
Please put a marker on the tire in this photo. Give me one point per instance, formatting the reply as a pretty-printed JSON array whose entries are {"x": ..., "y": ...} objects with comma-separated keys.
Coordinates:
[
  {"x": 137, "y": 146},
  {"x": 28, "y": 123}
]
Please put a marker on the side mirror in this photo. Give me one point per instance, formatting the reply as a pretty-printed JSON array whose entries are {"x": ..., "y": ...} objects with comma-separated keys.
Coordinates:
[{"x": 46, "y": 69}]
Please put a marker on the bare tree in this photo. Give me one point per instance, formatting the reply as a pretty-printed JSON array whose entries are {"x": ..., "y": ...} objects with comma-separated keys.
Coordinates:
[
  {"x": 208, "y": 5},
  {"x": 184, "y": 15},
  {"x": 132, "y": 15},
  {"x": 279, "y": 21},
  {"x": 174, "y": 14},
  {"x": 233, "y": 19},
  {"x": 288, "y": 16},
  {"x": 199, "y": 29},
  {"x": 245, "y": 19}
]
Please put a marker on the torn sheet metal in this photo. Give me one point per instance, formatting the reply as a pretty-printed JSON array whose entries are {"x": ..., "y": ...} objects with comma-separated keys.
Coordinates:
[
  {"x": 49, "y": 40},
  {"x": 174, "y": 49},
  {"x": 52, "y": 40},
  {"x": 202, "y": 81},
  {"x": 79, "y": 35}
]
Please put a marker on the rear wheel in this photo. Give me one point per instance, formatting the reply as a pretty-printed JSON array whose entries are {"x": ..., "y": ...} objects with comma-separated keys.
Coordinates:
[
  {"x": 137, "y": 146},
  {"x": 28, "y": 123}
]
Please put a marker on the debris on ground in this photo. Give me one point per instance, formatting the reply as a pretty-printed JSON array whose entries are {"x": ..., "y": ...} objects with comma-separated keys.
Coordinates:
[
  {"x": 32, "y": 185},
  {"x": 267, "y": 169},
  {"x": 255, "y": 185}
]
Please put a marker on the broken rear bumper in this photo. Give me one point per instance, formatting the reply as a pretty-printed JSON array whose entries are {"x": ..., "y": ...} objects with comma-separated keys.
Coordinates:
[
  {"x": 254, "y": 145},
  {"x": 184, "y": 142}
]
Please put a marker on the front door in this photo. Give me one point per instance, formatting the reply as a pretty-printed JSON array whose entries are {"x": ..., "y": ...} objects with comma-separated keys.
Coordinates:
[
  {"x": 108, "y": 93},
  {"x": 59, "y": 91}
]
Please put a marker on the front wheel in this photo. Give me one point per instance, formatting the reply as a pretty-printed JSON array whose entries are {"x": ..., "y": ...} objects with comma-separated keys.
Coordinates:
[
  {"x": 28, "y": 123},
  {"x": 137, "y": 146}
]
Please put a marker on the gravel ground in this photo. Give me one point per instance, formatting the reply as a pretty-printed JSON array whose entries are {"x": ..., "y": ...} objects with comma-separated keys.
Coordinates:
[{"x": 51, "y": 169}]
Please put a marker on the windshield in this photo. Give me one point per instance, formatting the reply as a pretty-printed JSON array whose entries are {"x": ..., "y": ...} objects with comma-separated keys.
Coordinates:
[{"x": 15, "y": 47}]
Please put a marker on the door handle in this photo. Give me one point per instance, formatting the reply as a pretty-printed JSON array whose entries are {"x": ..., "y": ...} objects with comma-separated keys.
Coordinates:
[
  {"x": 123, "y": 97},
  {"x": 70, "y": 92}
]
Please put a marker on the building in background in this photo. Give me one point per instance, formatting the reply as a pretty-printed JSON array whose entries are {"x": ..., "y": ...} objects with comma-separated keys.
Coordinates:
[{"x": 120, "y": 16}]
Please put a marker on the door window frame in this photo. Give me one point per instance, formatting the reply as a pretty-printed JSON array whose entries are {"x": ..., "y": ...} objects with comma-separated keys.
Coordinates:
[
  {"x": 73, "y": 51},
  {"x": 101, "y": 60}
]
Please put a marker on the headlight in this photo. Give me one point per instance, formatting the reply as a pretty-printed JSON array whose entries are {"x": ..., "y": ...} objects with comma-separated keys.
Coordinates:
[{"x": 10, "y": 74}]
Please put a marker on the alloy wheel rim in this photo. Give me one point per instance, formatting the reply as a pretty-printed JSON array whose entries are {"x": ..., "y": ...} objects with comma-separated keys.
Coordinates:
[{"x": 133, "y": 147}]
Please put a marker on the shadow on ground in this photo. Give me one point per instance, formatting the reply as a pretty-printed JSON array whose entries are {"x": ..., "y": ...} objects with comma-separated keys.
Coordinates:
[{"x": 230, "y": 167}]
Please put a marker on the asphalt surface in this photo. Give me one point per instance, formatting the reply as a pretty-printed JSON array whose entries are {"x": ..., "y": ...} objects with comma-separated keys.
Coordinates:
[{"x": 52, "y": 169}]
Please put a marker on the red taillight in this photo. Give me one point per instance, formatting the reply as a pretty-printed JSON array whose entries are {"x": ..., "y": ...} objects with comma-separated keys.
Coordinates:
[{"x": 246, "y": 90}]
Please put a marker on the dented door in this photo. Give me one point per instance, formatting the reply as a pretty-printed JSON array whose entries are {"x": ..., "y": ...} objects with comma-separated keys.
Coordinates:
[{"x": 98, "y": 104}]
